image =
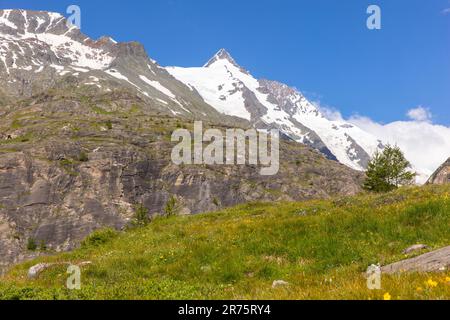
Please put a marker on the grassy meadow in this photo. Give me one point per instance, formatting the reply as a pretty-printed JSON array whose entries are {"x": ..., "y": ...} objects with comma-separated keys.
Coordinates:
[{"x": 321, "y": 248}]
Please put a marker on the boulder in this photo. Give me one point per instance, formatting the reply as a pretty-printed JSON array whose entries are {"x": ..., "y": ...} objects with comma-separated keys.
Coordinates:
[
  {"x": 442, "y": 175},
  {"x": 279, "y": 283},
  {"x": 435, "y": 261},
  {"x": 35, "y": 270},
  {"x": 416, "y": 247}
]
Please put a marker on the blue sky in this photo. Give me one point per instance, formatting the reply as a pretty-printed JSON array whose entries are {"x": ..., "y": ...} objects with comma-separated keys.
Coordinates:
[{"x": 322, "y": 47}]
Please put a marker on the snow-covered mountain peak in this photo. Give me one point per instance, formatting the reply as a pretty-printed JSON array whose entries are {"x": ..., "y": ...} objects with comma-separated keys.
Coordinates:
[
  {"x": 223, "y": 59},
  {"x": 232, "y": 90},
  {"x": 20, "y": 22},
  {"x": 222, "y": 55}
]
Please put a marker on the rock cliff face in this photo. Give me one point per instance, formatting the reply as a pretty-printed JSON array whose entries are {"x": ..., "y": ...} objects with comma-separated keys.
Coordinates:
[{"x": 442, "y": 175}]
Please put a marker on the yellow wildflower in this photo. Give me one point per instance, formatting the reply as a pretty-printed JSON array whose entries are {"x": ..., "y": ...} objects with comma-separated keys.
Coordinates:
[
  {"x": 447, "y": 279},
  {"x": 431, "y": 283},
  {"x": 419, "y": 289},
  {"x": 387, "y": 296}
]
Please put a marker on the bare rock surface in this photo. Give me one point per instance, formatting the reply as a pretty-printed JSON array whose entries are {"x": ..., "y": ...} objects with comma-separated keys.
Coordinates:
[
  {"x": 414, "y": 248},
  {"x": 435, "y": 261},
  {"x": 35, "y": 270},
  {"x": 441, "y": 175},
  {"x": 279, "y": 283}
]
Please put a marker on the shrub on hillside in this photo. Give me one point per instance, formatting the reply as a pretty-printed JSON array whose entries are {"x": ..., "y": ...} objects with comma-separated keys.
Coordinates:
[
  {"x": 32, "y": 245},
  {"x": 99, "y": 237},
  {"x": 141, "y": 217},
  {"x": 388, "y": 170},
  {"x": 172, "y": 207}
]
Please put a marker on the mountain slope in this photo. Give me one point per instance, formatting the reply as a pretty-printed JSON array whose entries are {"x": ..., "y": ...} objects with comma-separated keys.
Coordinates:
[
  {"x": 234, "y": 91},
  {"x": 85, "y": 140},
  {"x": 321, "y": 248},
  {"x": 73, "y": 161}
]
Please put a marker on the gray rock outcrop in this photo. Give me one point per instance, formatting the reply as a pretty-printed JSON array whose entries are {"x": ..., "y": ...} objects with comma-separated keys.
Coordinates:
[{"x": 435, "y": 261}]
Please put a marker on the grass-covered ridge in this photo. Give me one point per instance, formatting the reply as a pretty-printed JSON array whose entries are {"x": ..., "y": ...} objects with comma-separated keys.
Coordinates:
[{"x": 322, "y": 248}]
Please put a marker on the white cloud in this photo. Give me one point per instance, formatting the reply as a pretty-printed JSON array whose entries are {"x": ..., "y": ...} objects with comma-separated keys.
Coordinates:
[
  {"x": 420, "y": 114},
  {"x": 330, "y": 113},
  {"x": 426, "y": 145}
]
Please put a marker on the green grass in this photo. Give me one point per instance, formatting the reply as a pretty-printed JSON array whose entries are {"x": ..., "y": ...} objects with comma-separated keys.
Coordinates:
[
  {"x": 322, "y": 248},
  {"x": 101, "y": 111},
  {"x": 16, "y": 124}
]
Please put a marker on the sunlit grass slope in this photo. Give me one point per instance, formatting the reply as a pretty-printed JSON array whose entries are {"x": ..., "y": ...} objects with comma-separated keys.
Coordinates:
[{"x": 321, "y": 248}]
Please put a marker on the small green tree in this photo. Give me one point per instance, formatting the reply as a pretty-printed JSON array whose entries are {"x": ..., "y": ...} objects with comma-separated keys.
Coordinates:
[
  {"x": 388, "y": 170},
  {"x": 31, "y": 244},
  {"x": 141, "y": 217},
  {"x": 171, "y": 208}
]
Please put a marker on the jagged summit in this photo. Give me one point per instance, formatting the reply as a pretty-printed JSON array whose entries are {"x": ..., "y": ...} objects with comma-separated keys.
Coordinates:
[
  {"x": 222, "y": 54},
  {"x": 33, "y": 39},
  {"x": 20, "y": 21}
]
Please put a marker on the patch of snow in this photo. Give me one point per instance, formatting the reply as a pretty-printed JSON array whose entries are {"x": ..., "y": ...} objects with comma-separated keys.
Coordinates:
[
  {"x": 39, "y": 69},
  {"x": 227, "y": 100},
  {"x": 158, "y": 86},
  {"x": 57, "y": 67},
  {"x": 162, "y": 101},
  {"x": 92, "y": 84},
  {"x": 120, "y": 76},
  {"x": 151, "y": 70},
  {"x": 4, "y": 20},
  {"x": 80, "y": 69}
]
